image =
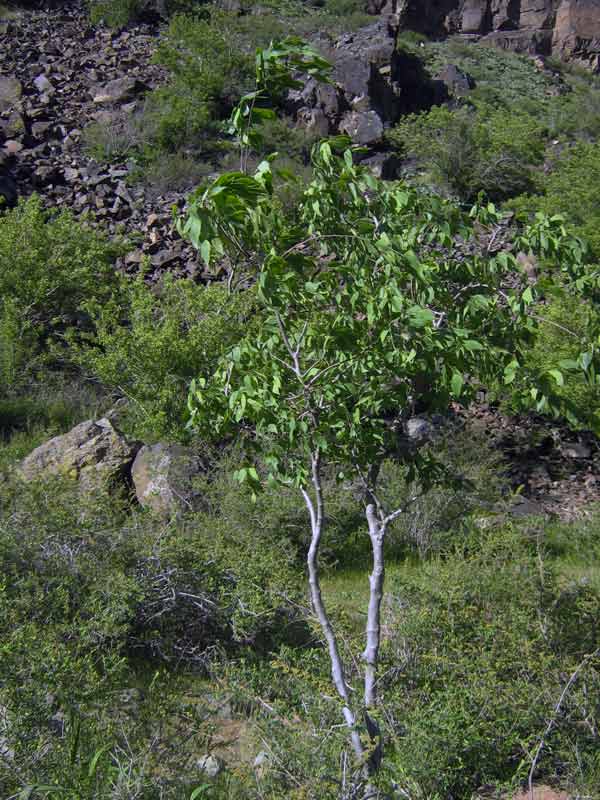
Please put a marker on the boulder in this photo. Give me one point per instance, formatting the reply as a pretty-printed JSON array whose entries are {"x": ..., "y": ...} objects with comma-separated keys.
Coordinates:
[
  {"x": 43, "y": 85},
  {"x": 163, "y": 476},
  {"x": 363, "y": 127},
  {"x": 457, "y": 82},
  {"x": 373, "y": 84},
  {"x": 120, "y": 90},
  {"x": 520, "y": 506},
  {"x": 94, "y": 453}
]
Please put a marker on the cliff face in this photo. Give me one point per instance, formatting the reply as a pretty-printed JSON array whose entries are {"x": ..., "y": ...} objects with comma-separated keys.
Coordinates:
[{"x": 565, "y": 28}]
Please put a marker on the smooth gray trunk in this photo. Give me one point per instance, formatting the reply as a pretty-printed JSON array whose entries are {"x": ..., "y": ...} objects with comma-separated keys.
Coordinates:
[{"x": 316, "y": 511}]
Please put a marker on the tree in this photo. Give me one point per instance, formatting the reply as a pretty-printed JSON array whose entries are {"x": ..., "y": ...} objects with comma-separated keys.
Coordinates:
[{"x": 376, "y": 301}]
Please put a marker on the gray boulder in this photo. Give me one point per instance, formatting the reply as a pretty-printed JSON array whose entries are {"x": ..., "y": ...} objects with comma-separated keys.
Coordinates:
[
  {"x": 163, "y": 477},
  {"x": 121, "y": 90},
  {"x": 457, "y": 82},
  {"x": 94, "y": 453},
  {"x": 363, "y": 127}
]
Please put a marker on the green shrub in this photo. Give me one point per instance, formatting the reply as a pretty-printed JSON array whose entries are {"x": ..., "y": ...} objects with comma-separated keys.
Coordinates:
[
  {"x": 561, "y": 338},
  {"x": 469, "y": 151},
  {"x": 95, "y": 602},
  {"x": 503, "y": 79},
  {"x": 115, "y": 13},
  {"x": 572, "y": 189},
  {"x": 48, "y": 267},
  {"x": 210, "y": 64},
  {"x": 480, "y": 648},
  {"x": 148, "y": 344}
]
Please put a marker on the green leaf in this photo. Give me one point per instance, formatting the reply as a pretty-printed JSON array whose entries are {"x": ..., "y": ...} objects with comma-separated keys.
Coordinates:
[
  {"x": 456, "y": 384},
  {"x": 527, "y": 296},
  {"x": 568, "y": 364},
  {"x": 200, "y": 790},
  {"x": 419, "y": 317},
  {"x": 557, "y": 375},
  {"x": 205, "y": 252}
]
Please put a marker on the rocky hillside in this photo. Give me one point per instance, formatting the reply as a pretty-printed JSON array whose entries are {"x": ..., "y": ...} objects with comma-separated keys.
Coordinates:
[{"x": 563, "y": 28}]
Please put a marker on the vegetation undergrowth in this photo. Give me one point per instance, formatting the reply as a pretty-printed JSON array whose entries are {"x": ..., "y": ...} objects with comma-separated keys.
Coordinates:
[{"x": 135, "y": 648}]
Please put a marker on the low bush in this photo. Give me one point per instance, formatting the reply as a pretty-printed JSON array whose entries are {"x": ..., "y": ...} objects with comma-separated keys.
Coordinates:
[
  {"x": 482, "y": 644},
  {"x": 99, "y": 609},
  {"x": 571, "y": 189},
  {"x": 149, "y": 343},
  {"x": 48, "y": 267},
  {"x": 115, "y": 13},
  {"x": 466, "y": 151},
  {"x": 211, "y": 66},
  {"x": 563, "y": 334},
  {"x": 503, "y": 79}
]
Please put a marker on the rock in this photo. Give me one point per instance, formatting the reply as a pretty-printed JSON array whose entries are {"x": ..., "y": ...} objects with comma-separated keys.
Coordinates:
[
  {"x": 456, "y": 81},
  {"x": 8, "y": 188},
  {"x": 94, "y": 453},
  {"x": 7, "y": 752},
  {"x": 163, "y": 477},
  {"x": 363, "y": 127},
  {"x": 119, "y": 91},
  {"x": 11, "y": 91},
  {"x": 419, "y": 429},
  {"x": 386, "y": 166},
  {"x": 12, "y": 147},
  {"x": 14, "y": 126},
  {"x": 524, "y": 507},
  {"x": 43, "y": 85},
  {"x": 564, "y": 28},
  {"x": 40, "y": 129},
  {"x": 314, "y": 120},
  {"x": 210, "y": 765},
  {"x": 576, "y": 450},
  {"x": 57, "y": 723},
  {"x": 261, "y": 763}
]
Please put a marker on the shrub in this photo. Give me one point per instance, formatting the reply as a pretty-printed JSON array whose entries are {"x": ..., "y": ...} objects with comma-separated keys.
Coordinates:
[
  {"x": 115, "y": 13},
  {"x": 469, "y": 151},
  {"x": 480, "y": 649},
  {"x": 48, "y": 267},
  {"x": 561, "y": 337},
  {"x": 503, "y": 79},
  {"x": 571, "y": 189},
  {"x": 211, "y": 67},
  {"x": 148, "y": 344},
  {"x": 96, "y": 603}
]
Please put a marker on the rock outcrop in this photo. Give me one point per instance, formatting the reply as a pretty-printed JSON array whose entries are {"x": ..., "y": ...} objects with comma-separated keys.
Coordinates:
[
  {"x": 569, "y": 29},
  {"x": 94, "y": 453},
  {"x": 373, "y": 84},
  {"x": 163, "y": 477}
]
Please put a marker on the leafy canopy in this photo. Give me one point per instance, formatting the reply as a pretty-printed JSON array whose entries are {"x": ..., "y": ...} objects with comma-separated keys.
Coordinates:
[{"x": 378, "y": 300}]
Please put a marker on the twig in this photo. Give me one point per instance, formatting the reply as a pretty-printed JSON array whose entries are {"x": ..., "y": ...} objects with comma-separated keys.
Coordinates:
[{"x": 552, "y": 721}]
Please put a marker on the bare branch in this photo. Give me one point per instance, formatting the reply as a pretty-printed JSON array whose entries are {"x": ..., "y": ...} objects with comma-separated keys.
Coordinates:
[{"x": 553, "y": 718}]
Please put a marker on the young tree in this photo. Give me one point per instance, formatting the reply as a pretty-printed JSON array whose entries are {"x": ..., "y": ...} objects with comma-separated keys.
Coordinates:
[{"x": 377, "y": 300}]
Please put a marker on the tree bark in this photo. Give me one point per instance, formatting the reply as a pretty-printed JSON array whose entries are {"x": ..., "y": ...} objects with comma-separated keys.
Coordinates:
[
  {"x": 377, "y": 531},
  {"x": 316, "y": 512}
]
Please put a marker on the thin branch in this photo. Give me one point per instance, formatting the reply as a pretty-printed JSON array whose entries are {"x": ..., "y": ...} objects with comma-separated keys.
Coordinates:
[{"x": 553, "y": 718}]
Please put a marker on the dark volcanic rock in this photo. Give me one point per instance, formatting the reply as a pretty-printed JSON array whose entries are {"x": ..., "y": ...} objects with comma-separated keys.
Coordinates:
[
  {"x": 373, "y": 84},
  {"x": 565, "y": 28}
]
